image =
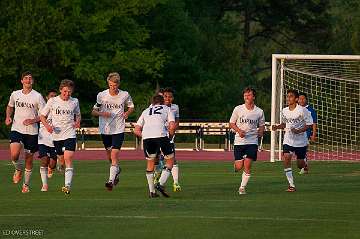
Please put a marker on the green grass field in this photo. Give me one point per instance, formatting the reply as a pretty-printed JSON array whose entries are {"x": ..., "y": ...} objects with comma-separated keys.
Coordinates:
[{"x": 326, "y": 205}]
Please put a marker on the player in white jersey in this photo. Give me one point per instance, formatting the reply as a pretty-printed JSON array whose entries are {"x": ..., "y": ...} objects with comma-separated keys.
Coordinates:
[
  {"x": 248, "y": 121},
  {"x": 25, "y": 104},
  {"x": 295, "y": 120},
  {"x": 47, "y": 152},
  {"x": 65, "y": 116},
  {"x": 155, "y": 125},
  {"x": 110, "y": 108}
]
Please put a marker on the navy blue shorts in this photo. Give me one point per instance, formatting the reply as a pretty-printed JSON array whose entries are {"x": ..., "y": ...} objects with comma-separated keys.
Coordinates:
[
  {"x": 160, "y": 156},
  {"x": 112, "y": 141},
  {"x": 300, "y": 152},
  {"x": 245, "y": 151},
  {"x": 29, "y": 141},
  {"x": 154, "y": 145},
  {"x": 45, "y": 150},
  {"x": 62, "y": 145}
]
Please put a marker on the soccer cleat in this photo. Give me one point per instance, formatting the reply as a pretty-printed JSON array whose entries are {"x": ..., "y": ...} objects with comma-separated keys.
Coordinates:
[
  {"x": 116, "y": 180},
  {"x": 304, "y": 170},
  {"x": 44, "y": 188},
  {"x": 153, "y": 195},
  {"x": 109, "y": 186},
  {"x": 242, "y": 191},
  {"x": 66, "y": 190},
  {"x": 291, "y": 189},
  {"x": 50, "y": 172},
  {"x": 17, "y": 176},
  {"x": 161, "y": 189},
  {"x": 25, "y": 189},
  {"x": 176, "y": 187}
]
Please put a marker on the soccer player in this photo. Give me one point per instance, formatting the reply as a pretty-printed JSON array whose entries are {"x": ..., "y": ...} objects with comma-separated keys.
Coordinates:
[
  {"x": 64, "y": 111},
  {"x": 311, "y": 131},
  {"x": 155, "y": 125},
  {"x": 295, "y": 120},
  {"x": 25, "y": 104},
  {"x": 248, "y": 121},
  {"x": 47, "y": 152},
  {"x": 110, "y": 108}
]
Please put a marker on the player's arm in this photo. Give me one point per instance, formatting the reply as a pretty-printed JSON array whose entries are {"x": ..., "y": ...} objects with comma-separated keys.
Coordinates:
[
  {"x": 77, "y": 116},
  {"x": 237, "y": 129},
  {"x": 96, "y": 111},
  {"x": 128, "y": 112},
  {"x": 261, "y": 126},
  {"x": 130, "y": 107},
  {"x": 278, "y": 126},
  {"x": 138, "y": 126},
  {"x": 308, "y": 123},
  {"x": 314, "y": 126},
  {"x": 9, "y": 112},
  {"x": 172, "y": 128}
]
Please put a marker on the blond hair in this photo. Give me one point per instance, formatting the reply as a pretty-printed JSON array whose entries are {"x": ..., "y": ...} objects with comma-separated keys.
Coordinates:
[
  {"x": 67, "y": 83},
  {"x": 113, "y": 77}
]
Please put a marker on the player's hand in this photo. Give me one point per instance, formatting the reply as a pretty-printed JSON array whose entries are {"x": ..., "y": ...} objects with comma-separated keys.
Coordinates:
[
  {"x": 28, "y": 122},
  {"x": 8, "y": 121},
  {"x": 241, "y": 133},
  {"x": 126, "y": 115},
  {"x": 49, "y": 128},
  {"x": 106, "y": 114},
  {"x": 296, "y": 131},
  {"x": 274, "y": 127},
  {"x": 77, "y": 124},
  {"x": 313, "y": 138},
  {"x": 260, "y": 133}
]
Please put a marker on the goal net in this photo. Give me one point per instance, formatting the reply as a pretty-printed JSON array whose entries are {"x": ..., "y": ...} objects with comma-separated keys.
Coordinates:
[{"x": 332, "y": 85}]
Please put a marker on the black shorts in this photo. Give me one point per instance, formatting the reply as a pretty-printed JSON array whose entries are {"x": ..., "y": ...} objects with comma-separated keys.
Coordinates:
[
  {"x": 114, "y": 141},
  {"x": 29, "y": 141},
  {"x": 245, "y": 151},
  {"x": 155, "y": 145},
  {"x": 45, "y": 150},
  {"x": 160, "y": 156},
  {"x": 62, "y": 145},
  {"x": 300, "y": 152}
]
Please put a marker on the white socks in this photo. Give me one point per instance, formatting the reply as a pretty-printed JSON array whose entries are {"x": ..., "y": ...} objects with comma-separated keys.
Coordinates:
[
  {"x": 113, "y": 171},
  {"x": 175, "y": 173},
  {"x": 27, "y": 176},
  {"x": 245, "y": 179},
  {"x": 150, "y": 180},
  {"x": 43, "y": 174},
  {"x": 164, "y": 176},
  {"x": 68, "y": 176},
  {"x": 289, "y": 176}
]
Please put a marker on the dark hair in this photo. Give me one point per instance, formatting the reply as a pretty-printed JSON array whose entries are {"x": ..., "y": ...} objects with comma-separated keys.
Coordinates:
[
  {"x": 249, "y": 89},
  {"x": 160, "y": 91},
  {"x": 294, "y": 92},
  {"x": 67, "y": 83},
  {"x": 304, "y": 94},
  {"x": 168, "y": 89},
  {"x": 50, "y": 91},
  {"x": 25, "y": 73},
  {"x": 157, "y": 99}
]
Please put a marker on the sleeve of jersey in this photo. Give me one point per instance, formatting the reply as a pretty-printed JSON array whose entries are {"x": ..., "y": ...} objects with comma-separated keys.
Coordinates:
[
  {"x": 129, "y": 102},
  {"x": 314, "y": 116},
  {"x": 98, "y": 102},
  {"x": 11, "y": 100},
  {"x": 177, "y": 113},
  {"x": 262, "y": 119},
  {"x": 42, "y": 103},
  {"x": 77, "y": 108},
  {"x": 171, "y": 116},
  {"x": 307, "y": 117},
  {"x": 46, "y": 109},
  {"x": 140, "y": 121},
  {"x": 233, "y": 117}
]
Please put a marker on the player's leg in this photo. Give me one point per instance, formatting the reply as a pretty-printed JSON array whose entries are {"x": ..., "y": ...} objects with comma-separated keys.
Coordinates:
[
  {"x": 116, "y": 143},
  {"x": 69, "y": 145},
  {"x": 301, "y": 156},
  {"x": 303, "y": 164},
  {"x": 52, "y": 162},
  {"x": 168, "y": 152},
  {"x": 175, "y": 173},
  {"x": 159, "y": 165},
  {"x": 287, "y": 155},
  {"x": 15, "y": 150},
  {"x": 44, "y": 164},
  {"x": 150, "y": 152},
  {"x": 251, "y": 155},
  {"x": 30, "y": 147}
]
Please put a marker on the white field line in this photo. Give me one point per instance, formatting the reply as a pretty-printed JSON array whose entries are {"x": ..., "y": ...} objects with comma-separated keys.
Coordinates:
[{"x": 286, "y": 219}]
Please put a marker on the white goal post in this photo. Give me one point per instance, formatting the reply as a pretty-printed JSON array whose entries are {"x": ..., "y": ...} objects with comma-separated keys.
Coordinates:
[{"x": 332, "y": 84}]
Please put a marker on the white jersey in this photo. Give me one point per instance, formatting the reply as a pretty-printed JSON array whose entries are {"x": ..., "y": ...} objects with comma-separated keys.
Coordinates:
[
  {"x": 27, "y": 106},
  {"x": 44, "y": 136},
  {"x": 105, "y": 102},
  {"x": 63, "y": 116},
  {"x": 153, "y": 121},
  {"x": 174, "y": 108},
  {"x": 296, "y": 119},
  {"x": 248, "y": 121}
]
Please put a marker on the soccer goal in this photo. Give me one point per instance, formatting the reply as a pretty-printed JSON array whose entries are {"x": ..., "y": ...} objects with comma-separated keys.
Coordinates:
[{"x": 332, "y": 84}]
